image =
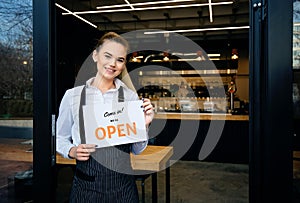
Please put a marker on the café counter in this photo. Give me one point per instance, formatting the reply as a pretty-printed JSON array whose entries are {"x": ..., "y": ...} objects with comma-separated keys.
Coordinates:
[
  {"x": 201, "y": 116},
  {"x": 232, "y": 146}
]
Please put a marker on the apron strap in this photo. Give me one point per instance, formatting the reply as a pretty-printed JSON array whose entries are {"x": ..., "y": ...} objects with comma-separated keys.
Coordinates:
[
  {"x": 81, "y": 123},
  {"x": 121, "y": 94}
]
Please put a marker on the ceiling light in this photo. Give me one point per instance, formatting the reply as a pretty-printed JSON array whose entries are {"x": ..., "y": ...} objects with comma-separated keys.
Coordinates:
[
  {"x": 166, "y": 58},
  {"x": 69, "y": 12},
  {"x": 196, "y": 30},
  {"x": 210, "y": 11},
  {"x": 213, "y": 55},
  {"x": 142, "y": 4},
  {"x": 129, "y": 4},
  {"x": 150, "y": 8},
  {"x": 234, "y": 54}
]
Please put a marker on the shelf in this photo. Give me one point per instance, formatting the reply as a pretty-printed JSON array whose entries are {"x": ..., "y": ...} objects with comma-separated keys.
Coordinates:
[{"x": 187, "y": 73}]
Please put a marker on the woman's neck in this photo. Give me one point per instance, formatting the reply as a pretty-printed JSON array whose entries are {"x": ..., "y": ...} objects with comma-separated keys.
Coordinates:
[{"x": 103, "y": 84}]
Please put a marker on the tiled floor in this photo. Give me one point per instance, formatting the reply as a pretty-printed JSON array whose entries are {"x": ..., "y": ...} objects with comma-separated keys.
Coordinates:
[
  {"x": 8, "y": 170},
  {"x": 190, "y": 182}
]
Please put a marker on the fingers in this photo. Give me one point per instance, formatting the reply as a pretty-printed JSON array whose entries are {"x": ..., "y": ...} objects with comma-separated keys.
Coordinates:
[
  {"x": 84, "y": 151},
  {"x": 89, "y": 146},
  {"x": 148, "y": 108}
]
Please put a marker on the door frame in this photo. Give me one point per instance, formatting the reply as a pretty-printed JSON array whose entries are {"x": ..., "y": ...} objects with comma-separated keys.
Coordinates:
[
  {"x": 271, "y": 123},
  {"x": 270, "y": 166}
]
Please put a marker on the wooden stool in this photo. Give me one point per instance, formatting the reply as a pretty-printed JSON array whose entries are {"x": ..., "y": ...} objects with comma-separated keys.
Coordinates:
[{"x": 142, "y": 178}]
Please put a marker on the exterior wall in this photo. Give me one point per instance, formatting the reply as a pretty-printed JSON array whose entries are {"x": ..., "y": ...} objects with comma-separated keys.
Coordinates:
[{"x": 12, "y": 128}]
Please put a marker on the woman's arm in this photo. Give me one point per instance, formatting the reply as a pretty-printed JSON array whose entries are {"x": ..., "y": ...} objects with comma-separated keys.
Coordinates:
[{"x": 64, "y": 125}]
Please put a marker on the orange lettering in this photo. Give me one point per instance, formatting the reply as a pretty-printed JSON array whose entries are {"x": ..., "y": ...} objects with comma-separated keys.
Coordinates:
[
  {"x": 111, "y": 130},
  {"x": 103, "y": 133},
  {"x": 133, "y": 129},
  {"x": 120, "y": 129}
]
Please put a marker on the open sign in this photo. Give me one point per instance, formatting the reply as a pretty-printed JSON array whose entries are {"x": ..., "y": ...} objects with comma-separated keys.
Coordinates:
[{"x": 114, "y": 123}]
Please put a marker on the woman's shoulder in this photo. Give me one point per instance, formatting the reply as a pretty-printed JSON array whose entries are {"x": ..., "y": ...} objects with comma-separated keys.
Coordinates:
[
  {"x": 120, "y": 83},
  {"x": 130, "y": 92},
  {"x": 74, "y": 91}
]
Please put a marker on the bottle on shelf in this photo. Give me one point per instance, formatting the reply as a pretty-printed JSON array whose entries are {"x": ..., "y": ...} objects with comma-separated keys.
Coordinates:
[{"x": 208, "y": 105}]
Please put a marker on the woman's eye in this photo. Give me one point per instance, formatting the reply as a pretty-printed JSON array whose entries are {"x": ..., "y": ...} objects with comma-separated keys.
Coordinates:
[
  {"x": 107, "y": 56},
  {"x": 121, "y": 60}
]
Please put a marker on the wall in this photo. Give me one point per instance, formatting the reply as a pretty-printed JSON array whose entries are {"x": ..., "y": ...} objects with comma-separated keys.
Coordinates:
[
  {"x": 242, "y": 79},
  {"x": 15, "y": 128}
]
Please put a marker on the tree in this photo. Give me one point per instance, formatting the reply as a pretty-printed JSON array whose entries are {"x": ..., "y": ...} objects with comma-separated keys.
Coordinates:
[{"x": 16, "y": 52}]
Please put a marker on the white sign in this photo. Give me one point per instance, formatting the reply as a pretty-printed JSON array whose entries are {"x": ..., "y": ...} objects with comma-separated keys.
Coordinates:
[{"x": 114, "y": 124}]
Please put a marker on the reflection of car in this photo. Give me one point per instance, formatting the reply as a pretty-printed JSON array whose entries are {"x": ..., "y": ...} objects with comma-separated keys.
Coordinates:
[{"x": 153, "y": 90}]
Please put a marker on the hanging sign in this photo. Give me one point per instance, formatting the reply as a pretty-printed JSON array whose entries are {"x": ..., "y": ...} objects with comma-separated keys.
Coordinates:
[{"x": 114, "y": 124}]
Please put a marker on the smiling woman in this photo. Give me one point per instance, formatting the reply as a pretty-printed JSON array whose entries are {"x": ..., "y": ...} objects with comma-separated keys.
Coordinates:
[
  {"x": 110, "y": 57},
  {"x": 95, "y": 178}
]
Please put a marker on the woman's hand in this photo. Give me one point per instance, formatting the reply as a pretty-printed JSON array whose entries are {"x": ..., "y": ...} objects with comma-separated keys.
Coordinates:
[
  {"x": 82, "y": 152},
  {"x": 148, "y": 109}
]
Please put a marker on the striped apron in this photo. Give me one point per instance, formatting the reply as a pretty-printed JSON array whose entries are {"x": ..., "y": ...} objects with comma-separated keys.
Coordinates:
[{"x": 99, "y": 179}]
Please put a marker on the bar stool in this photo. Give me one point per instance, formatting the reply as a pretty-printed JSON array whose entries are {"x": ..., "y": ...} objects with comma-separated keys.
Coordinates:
[{"x": 142, "y": 178}]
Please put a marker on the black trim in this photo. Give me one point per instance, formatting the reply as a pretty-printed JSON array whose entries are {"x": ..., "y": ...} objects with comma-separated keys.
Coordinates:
[
  {"x": 43, "y": 69},
  {"x": 271, "y": 130}
]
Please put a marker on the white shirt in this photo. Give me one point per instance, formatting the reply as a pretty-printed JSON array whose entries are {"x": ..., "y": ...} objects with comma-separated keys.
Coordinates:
[{"x": 67, "y": 125}]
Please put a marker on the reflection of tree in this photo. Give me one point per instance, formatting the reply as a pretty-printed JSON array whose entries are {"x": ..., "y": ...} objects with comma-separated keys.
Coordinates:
[
  {"x": 296, "y": 35},
  {"x": 15, "y": 48}
]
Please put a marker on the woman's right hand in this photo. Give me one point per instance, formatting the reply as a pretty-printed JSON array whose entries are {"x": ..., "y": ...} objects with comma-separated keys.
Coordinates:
[{"x": 82, "y": 152}]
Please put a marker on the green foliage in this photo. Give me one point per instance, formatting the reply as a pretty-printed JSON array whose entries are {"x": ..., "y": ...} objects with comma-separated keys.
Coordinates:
[{"x": 16, "y": 108}]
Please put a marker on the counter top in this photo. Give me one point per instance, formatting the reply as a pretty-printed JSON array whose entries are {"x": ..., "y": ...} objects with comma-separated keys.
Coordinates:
[
  {"x": 153, "y": 158},
  {"x": 201, "y": 116}
]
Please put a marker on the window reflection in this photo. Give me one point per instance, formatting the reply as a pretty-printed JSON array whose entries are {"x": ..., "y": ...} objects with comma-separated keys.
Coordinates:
[{"x": 16, "y": 56}]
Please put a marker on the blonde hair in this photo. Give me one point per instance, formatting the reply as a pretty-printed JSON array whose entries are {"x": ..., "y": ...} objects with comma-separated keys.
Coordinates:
[{"x": 112, "y": 36}]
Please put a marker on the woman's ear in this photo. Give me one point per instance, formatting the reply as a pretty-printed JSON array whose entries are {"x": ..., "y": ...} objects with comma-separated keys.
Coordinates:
[{"x": 95, "y": 55}]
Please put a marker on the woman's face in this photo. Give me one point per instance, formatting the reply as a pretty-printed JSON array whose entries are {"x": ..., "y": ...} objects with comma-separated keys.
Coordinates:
[{"x": 110, "y": 59}]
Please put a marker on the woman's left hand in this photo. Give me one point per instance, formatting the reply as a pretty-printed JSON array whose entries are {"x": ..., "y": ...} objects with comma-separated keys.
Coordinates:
[{"x": 148, "y": 109}]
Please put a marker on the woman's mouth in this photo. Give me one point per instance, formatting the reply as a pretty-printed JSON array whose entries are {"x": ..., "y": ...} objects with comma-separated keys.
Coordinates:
[{"x": 109, "y": 70}]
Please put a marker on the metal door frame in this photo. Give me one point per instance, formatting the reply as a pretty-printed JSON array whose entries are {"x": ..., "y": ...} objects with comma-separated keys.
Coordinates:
[{"x": 270, "y": 144}]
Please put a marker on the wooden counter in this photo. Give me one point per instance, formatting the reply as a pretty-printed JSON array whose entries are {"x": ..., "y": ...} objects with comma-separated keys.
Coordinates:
[
  {"x": 153, "y": 158},
  {"x": 201, "y": 116}
]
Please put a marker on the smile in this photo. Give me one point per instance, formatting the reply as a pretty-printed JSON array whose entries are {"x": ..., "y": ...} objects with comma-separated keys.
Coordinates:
[{"x": 110, "y": 70}]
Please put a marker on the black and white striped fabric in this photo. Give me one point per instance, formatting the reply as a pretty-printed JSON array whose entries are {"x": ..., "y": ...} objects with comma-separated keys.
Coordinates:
[{"x": 99, "y": 179}]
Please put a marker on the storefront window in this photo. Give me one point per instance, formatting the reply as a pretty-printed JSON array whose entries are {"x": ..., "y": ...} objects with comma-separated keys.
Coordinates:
[
  {"x": 16, "y": 58},
  {"x": 296, "y": 96},
  {"x": 16, "y": 104}
]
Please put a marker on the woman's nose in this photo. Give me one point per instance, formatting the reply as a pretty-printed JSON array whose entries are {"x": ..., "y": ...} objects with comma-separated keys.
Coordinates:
[{"x": 112, "y": 62}]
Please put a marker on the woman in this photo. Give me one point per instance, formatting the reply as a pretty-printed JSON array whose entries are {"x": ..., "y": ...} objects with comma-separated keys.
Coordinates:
[{"x": 99, "y": 176}]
